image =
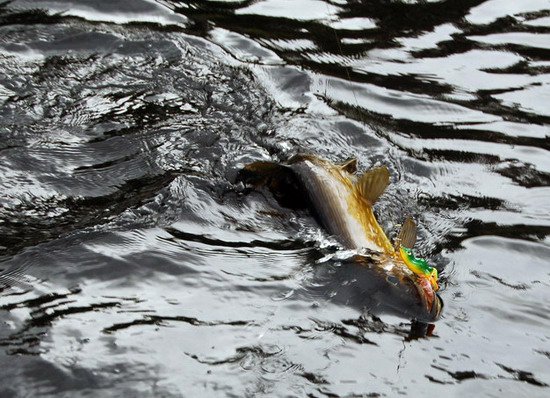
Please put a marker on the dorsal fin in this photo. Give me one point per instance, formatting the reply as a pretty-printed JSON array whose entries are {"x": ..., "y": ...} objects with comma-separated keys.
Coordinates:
[
  {"x": 373, "y": 183},
  {"x": 407, "y": 234},
  {"x": 349, "y": 165}
]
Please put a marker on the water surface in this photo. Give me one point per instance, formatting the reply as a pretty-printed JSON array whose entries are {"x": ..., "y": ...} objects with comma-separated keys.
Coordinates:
[{"x": 132, "y": 265}]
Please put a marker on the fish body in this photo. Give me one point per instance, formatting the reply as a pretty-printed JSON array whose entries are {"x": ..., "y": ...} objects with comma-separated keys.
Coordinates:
[
  {"x": 339, "y": 206},
  {"x": 342, "y": 202}
]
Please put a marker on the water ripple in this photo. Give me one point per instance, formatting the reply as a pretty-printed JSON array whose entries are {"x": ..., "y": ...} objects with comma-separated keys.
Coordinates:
[{"x": 128, "y": 253}]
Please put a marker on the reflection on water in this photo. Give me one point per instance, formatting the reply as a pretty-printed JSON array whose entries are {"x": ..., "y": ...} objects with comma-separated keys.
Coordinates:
[{"x": 132, "y": 265}]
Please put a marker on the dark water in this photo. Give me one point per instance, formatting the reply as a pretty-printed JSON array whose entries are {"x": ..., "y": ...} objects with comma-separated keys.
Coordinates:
[{"x": 133, "y": 266}]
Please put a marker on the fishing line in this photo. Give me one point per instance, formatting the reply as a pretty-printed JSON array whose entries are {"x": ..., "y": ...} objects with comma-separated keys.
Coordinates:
[
  {"x": 339, "y": 45},
  {"x": 267, "y": 323}
]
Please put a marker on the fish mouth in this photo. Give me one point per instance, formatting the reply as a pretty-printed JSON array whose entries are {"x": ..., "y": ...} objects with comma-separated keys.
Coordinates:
[{"x": 431, "y": 300}]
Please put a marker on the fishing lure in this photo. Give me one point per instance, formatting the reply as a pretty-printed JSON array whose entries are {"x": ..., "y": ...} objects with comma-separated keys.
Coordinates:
[{"x": 419, "y": 266}]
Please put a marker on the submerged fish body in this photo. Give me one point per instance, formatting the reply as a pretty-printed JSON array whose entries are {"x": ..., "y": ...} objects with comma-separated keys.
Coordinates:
[{"x": 342, "y": 202}]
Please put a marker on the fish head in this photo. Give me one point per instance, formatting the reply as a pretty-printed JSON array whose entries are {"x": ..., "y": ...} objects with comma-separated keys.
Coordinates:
[
  {"x": 410, "y": 294},
  {"x": 430, "y": 299},
  {"x": 377, "y": 284}
]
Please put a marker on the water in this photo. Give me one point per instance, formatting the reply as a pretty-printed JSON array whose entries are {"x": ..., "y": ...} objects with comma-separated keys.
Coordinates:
[{"x": 133, "y": 266}]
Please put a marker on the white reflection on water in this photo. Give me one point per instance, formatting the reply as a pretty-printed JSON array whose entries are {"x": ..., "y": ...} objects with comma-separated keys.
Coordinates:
[{"x": 299, "y": 10}]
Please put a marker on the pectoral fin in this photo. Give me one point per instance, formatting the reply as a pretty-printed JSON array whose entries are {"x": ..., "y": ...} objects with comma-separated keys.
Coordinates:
[
  {"x": 407, "y": 234},
  {"x": 373, "y": 183},
  {"x": 279, "y": 179}
]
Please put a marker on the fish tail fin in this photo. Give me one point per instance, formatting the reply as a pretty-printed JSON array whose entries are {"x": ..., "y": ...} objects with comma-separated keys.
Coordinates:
[
  {"x": 279, "y": 179},
  {"x": 260, "y": 173}
]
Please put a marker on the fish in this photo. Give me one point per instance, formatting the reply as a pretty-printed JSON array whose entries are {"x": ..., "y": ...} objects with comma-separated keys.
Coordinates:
[{"x": 341, "y": 200}]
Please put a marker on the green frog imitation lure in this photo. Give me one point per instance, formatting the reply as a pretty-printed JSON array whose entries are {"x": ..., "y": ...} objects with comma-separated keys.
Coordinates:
[
  {"x": 419, "y": 266},
  {"x": 403, "y": 247}
]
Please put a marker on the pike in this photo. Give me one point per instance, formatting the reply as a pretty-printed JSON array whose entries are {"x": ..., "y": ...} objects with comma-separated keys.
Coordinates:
[{"x": 342, "y": 201}]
